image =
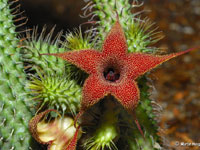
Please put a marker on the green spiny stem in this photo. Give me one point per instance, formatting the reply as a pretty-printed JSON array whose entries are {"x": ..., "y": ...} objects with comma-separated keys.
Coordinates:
[
  {"x": 146, "y": 118},
  {"x": 76, "y": 41},
  {"x": 38, "y": 44},
  {"x": 139, "y": 32},
  {"x": 56, "y": 92},
  {"x": 14, "y": 108},
  {"x": 107, "y": 130}
]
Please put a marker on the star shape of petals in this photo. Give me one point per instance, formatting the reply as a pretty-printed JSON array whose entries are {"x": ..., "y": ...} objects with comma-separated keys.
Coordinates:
[{"x": 113, "y": 70}]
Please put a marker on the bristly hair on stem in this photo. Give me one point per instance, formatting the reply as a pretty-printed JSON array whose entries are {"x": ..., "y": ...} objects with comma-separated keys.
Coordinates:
[
  {"x": 34, "y": 44},
  {"x": 55, "y": 92},
  {"x": 14, "y": 108},
  {"x": 77, "y": 41},
  {"x": 140, "y": 32}
]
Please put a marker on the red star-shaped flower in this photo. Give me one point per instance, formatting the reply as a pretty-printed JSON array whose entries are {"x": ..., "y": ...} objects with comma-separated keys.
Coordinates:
[{"x": 114, "y": 70}]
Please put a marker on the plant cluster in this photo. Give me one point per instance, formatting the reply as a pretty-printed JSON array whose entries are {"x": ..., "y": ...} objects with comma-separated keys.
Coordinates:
[{"x": 88, "y": 91}]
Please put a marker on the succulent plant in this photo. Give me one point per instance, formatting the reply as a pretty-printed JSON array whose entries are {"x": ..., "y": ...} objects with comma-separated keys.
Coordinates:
[
  {"x": 37, "y": 43},
  {"x": 107, "y": 131},
  {"x": 15, "y": 107},
  {"x": 56, "y": 92},
  {"x": 140, "y": 32},
  {"x": 104, "y": 69}
]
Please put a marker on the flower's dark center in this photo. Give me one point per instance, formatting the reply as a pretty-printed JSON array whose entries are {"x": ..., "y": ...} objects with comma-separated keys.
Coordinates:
[{"x": 111, "y": 74}]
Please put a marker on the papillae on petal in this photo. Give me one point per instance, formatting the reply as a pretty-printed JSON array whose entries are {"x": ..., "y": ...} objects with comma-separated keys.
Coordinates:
[
  {"x": 140, "y": 63},
  {"x": 127, "y": 93},
  {"x": 115, "y": 42},
  {"x": 86, "y": 60},
  {"x": 93, "y": 90}
]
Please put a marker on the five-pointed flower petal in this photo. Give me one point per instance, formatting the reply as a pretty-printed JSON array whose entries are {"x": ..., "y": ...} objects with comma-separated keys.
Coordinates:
[{"x": 113, "y": 70}]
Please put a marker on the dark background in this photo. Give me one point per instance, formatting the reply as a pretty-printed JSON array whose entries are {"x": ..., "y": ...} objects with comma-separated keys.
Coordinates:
[{"x": 177, "y": 82}]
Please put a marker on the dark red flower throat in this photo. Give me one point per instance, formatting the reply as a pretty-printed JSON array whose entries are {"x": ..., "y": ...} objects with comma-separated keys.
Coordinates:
[
  {"x": 112, "y": 70},
  {"x": 111, "y": 74}
]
